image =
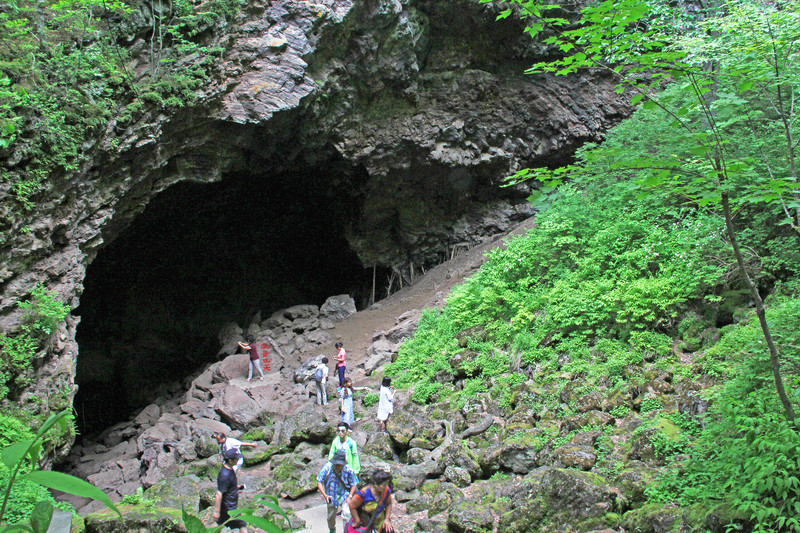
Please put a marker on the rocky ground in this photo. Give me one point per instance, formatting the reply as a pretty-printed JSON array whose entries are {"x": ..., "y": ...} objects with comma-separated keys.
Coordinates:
[
  {"x": 171, "y": 436},
  {"x": 556, "y": 455}
]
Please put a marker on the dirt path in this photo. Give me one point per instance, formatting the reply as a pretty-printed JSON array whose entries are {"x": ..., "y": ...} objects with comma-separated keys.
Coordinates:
[{"x": 429, "y": 290}]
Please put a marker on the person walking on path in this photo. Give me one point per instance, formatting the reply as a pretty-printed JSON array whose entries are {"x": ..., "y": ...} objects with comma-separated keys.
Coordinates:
[
  {"x": 228, "y": 443},
  {"x": 227, "y": 497},
  {"x": 385, "y": 403},
  {"x": 321, "y": 379},
  {"x": 341, "y": 364},
  {"x": 372, "y": 505},
  {"x": 336, "y": 482},
  {"x": 342, "y": 440},
  {"x": 255, "y": 359}
]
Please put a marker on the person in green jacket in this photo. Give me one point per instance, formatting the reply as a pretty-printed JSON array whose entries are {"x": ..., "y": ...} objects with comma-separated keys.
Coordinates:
[{"x": 349, "y": 444}]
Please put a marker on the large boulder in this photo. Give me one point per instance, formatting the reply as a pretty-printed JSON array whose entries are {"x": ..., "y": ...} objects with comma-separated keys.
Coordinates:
[
  {"x": 524, "y": 452},
  {"x": 338, "y": 307},
  {"x": 305, "y": 372},
  {"x": 305, "y": 426},
  {"x": 410, "y": 427},
  {"x": 179, "y": 492},
  {"x": 232, "y": 367},
  {"x": 296, "y": 472},
  {"x": 237, "y": 409}
]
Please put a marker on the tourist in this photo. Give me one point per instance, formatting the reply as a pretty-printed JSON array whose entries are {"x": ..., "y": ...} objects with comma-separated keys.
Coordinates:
[
  {"x": 346, "y": 402},
  {"x": 321, "y": 379},
  {"x": 341, "y": 365},
  {"x": 342, "y": 440},
  {"x": 336, "y": 481},
  {"x": 227, "y": 498},
  {"x": 228, "y": 443},
  {"x": 255, "y": 359},
  {"x": 372, "y": 505},
  {"x": 385, "y": 403}
]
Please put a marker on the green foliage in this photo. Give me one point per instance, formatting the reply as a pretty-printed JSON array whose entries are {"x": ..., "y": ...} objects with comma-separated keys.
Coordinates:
[
  {"x": 747, "y": 454},
  {"x": 21, "y": 477},
  {"x": 138, "y": 498},
  {"x": 42, "y": 314},
  {"x": 370, "y": 399},
  {"x": 63, "y": 77}
]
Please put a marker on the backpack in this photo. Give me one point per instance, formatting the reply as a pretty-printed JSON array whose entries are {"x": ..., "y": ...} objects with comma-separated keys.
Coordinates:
[{"x": 319, "y": 374}]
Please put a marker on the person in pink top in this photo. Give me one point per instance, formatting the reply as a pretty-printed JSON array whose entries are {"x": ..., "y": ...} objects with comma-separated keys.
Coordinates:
[{"x": 340, "y": 362}]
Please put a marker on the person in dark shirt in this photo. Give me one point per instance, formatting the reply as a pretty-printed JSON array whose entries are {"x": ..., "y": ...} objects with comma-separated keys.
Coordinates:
[
  {"x": 255, "y": 358},
  {"x": 227, "y": 497}
]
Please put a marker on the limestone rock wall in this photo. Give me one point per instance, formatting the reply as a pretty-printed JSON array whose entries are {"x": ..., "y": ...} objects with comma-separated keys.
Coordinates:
[{"x": 426, "y": 96}]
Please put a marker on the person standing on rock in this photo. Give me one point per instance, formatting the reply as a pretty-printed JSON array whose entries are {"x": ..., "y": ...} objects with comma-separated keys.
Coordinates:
[
  {"x": 336, "y": 482},
  {"x": 228, "y": 443},
  {"x": 227, "y": 497},
  {"x": 346, "y": 402},
  {"x": 255, "y": 359},
  {"x": 372, "y": 505},
  {"x": 349, "y": 444},
  {"x": 321, "y": 379},
  {"x": 341, "y": 364},
  {"x": 385, "y": 403}
]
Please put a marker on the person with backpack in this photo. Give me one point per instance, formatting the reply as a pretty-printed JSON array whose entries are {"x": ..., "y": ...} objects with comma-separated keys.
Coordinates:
[
  {"x": 255, "y": 359},
  {"x": 321, "y": 379},
  {"x": 227, "y": 497},
  {"x": 342, "y": 440},
  {"x": 371, "y": 506},
  {"x": 336, "y": 482}
]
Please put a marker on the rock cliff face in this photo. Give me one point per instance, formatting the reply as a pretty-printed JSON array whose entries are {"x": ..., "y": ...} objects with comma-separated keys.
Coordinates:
[{"x": 407, "y": 114}]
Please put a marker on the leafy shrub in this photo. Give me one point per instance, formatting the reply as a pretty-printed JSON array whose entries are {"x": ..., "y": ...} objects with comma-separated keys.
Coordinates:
[
  {"x": 747, "y": 454},
  {"x": 43, "y": 313},
  {"x": 370, "y": 399}
]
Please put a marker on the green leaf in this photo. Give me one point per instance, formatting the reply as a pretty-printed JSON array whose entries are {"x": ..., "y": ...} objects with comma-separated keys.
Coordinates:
[
  {"x": 71, "y": 485},
  {"x": 41, "y": 517},
  {"x": 58, "y": 418},
  {"x": 16, "y": 527},
  {"x": 194, "y": 524},
  {"x": 12, "y": 454},
  {"x": 260, "y": 522}
]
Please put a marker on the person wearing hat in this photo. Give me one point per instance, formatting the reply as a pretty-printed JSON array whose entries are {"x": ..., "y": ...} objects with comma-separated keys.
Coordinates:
[
  {"x": 227, "y": 497},
  {"x": 336, "y": 481}
]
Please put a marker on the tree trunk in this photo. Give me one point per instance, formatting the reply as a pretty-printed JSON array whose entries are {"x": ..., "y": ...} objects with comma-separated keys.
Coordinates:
[{"x": 760, "y": 311}]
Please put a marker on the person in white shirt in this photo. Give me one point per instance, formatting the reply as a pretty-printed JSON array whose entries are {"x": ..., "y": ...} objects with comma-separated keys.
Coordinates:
[
  {"x": 385, "y": 403},
  {"x": 321, "y": 379},
  {"x": 229, "y": 443}
]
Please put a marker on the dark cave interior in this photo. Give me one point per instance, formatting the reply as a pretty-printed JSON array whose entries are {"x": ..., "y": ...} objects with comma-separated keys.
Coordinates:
[{"x": 203, "y": 255}]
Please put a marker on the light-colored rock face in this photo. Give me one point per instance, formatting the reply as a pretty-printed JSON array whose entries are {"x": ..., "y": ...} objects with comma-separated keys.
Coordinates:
[{"x": 425, "y": 101}]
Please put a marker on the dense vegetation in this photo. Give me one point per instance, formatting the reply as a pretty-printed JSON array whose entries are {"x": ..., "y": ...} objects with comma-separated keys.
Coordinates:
[
  {"x": 66, "y": 76},
  {"x": 649, "y": 253}
]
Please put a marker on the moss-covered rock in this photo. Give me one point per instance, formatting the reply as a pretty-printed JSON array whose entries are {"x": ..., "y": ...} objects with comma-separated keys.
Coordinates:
[
  {"x": 136, "y": 519},
  {"x": 632, "y": 481},
  {"x": 573, "y": 456},
  {"x": 435, "y": 497},
  {"x": 654, "y": 443},
  {"x": 204, "y": 469},
  {"x": 654, "y": 518},
  {"x": 179, "y": 492},
  {"x": 467, "y": 517},
  {"x": 524, "y": 451}
]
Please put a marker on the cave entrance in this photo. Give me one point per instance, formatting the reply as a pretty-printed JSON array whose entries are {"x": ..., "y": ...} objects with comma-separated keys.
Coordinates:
[{"x": 200, "y": 256}]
